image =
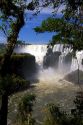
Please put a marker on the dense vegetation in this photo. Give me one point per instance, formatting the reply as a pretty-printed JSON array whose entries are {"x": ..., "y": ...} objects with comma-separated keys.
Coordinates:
[
  {"x": 21, "y": 64},
  {"x": 25, "y": 108},
  {"x": 55, "y": 116},
  {"x": 12, "y": 20}
]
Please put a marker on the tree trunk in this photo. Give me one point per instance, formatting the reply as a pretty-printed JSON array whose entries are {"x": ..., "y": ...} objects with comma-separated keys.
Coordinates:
[
  {"x": 12, "y": 39},
  {"x": 4, "y": 110}
]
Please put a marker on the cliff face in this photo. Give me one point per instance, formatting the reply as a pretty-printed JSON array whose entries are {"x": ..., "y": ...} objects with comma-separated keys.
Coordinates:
[
  {"x": 22, "y": 64},
  {"x": 74, "y": 77}
]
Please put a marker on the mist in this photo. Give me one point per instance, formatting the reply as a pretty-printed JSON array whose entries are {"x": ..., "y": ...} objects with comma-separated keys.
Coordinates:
[{"x": 52, "y": 64}]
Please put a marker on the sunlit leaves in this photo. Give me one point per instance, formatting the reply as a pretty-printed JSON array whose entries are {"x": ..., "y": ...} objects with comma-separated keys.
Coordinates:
[
  {"x": 68, "y": 31},
  {"x": 50, "y": 25}
]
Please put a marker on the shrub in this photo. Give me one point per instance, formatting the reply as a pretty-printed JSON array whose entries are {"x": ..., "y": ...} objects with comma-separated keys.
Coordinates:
[{"x": 25, "y": 108}]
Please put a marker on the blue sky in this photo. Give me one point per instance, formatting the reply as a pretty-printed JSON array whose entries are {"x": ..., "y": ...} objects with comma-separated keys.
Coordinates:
[{"x": 28, "y": 34}]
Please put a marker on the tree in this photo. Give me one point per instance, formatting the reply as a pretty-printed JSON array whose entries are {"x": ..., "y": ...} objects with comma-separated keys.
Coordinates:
[
  {"x": 12, "y": 15},
  {"x": 69, "y": 27},
  {"x": 9, "y": 84},
  {"x": 69, "y": 31},
  {"x": 12, "y": 18}
]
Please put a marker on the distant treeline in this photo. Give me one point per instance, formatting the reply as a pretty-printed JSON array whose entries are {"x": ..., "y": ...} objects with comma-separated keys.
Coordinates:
[{"x": 3, "y": 46}]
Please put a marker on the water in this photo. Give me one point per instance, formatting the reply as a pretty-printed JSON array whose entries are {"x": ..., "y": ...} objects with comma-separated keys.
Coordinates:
[
  {"x": 38, "y": 51},
  {"x": 53, "y": 65},
  {"x": 53, "y": 62}
]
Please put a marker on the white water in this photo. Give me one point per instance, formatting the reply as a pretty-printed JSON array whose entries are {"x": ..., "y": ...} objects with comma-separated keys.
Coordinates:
[
  {"x": 51, "y": 74},
  {"x": 51, "y": 88},
  {"x": 38, "y": 51}
]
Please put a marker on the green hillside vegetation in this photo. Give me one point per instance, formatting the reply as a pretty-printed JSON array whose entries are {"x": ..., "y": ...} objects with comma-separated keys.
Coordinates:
[{"x": 21, "y": 63}]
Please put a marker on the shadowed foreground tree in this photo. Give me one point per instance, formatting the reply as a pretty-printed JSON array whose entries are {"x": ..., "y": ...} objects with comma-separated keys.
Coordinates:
[
  {"x": 9, "y": 84},
  {"x": 12, "y": 16},
  {"x": 12, "y": 20}
]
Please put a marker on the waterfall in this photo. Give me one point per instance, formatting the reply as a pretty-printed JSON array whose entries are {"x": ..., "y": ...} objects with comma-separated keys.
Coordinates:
[
  {"x": 38, "y": 51},
  {"x": 52, "y": 61}
]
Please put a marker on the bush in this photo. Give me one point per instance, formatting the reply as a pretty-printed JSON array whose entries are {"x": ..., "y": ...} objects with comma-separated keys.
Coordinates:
[
  {"x": 56, "y": 117},
  {"x": 25, "y": 108},
  {"x": 21, "y": 64},
  {"x": 12, "y": 83}
]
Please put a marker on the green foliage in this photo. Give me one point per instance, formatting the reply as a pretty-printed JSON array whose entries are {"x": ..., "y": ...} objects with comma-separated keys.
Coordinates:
[
  {"x": 12, "y": 18},
  {"x": 11, "y": 84},
  {"x": 19, "y": 42},
  {"x": 78, "y": 111},
  {"x": 69, "y": 27},
  {"x": 50, "y": 25},
  {"x": 25, "y": 108},
  {"x": 67, "y": 32},
  {"x": 55, "y": 116},
  {"x": 20, "y": 63}
]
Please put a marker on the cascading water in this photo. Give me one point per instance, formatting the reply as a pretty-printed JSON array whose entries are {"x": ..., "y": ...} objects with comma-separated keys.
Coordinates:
[
  {"x": 38, "y": 51},
  {"x": 53, "y": 63}
]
